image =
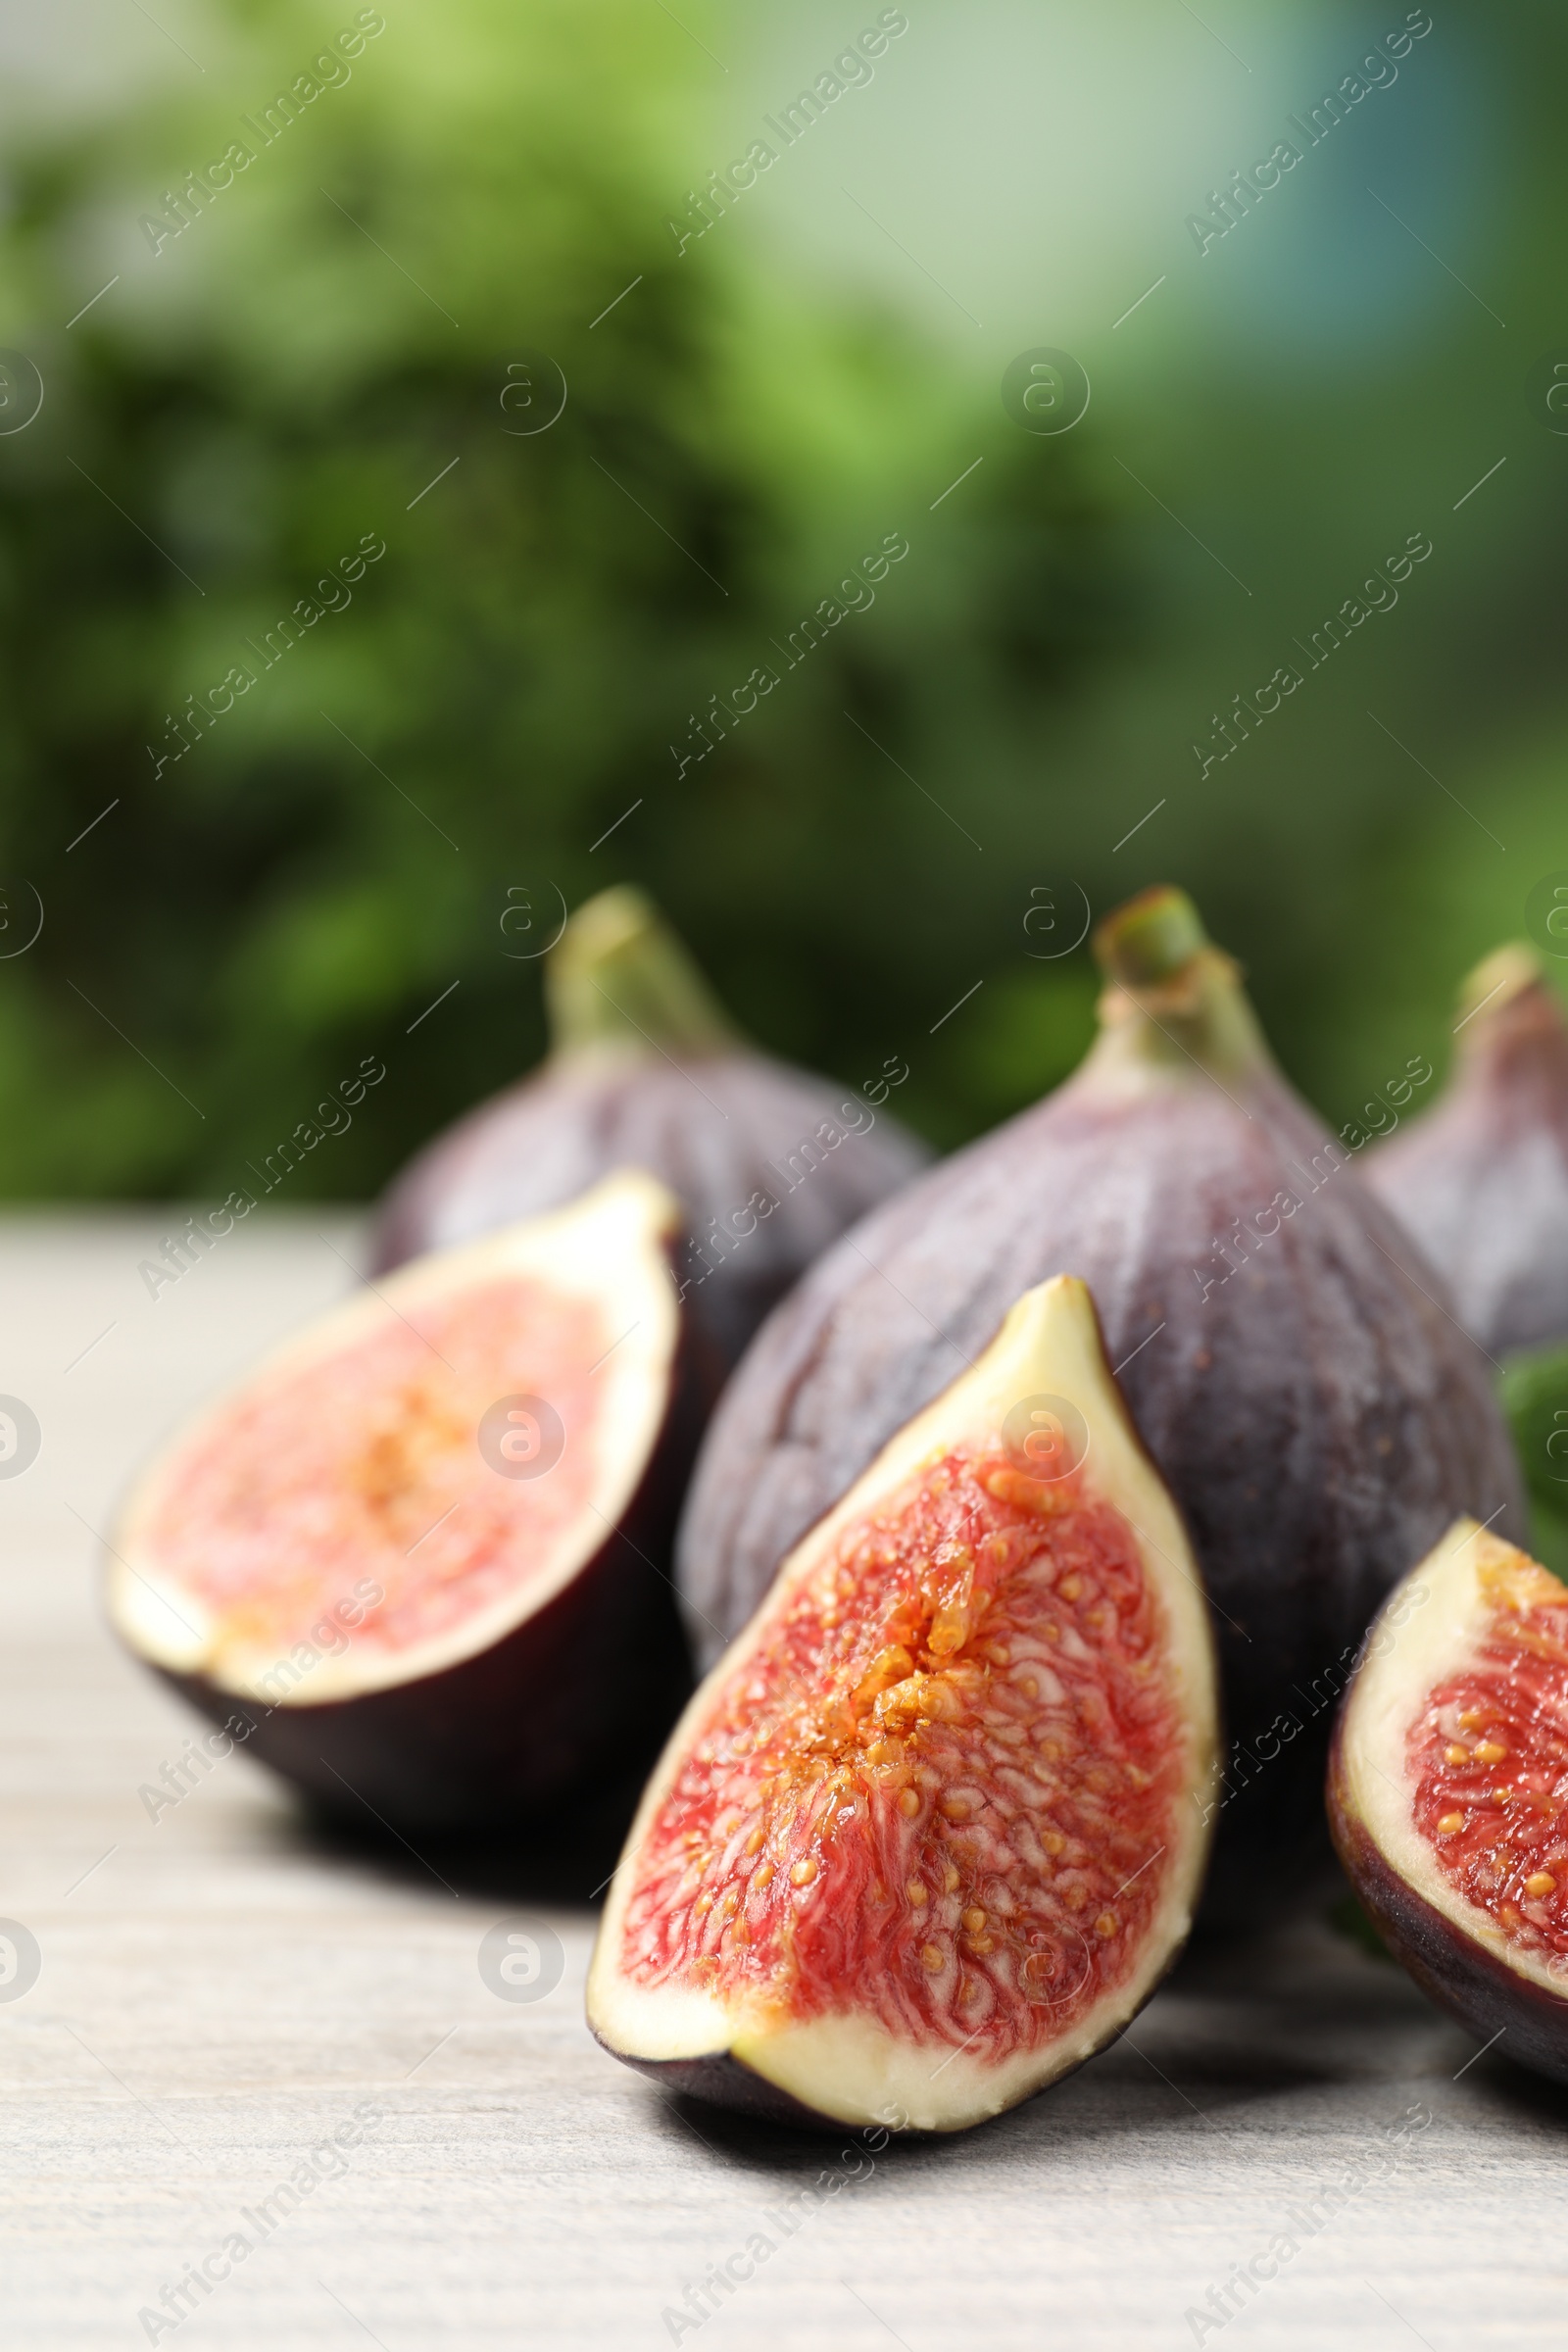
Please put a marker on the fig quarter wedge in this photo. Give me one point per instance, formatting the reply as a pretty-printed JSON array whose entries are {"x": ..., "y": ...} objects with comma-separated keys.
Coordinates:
[
  {"x": 1445, "y": 1790},
  {"x": 933, "y": 1829}
]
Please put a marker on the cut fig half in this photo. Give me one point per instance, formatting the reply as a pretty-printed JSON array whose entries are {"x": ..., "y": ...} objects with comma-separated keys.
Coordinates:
[
  {"x": 933, "y": 1829},
  {"x": 414, "y": 1560},
  {"x": 1448, "y": 1789}
]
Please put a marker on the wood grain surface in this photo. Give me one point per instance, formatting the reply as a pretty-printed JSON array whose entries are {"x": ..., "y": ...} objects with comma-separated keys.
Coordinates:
[{"x": 220, "y": 1990}]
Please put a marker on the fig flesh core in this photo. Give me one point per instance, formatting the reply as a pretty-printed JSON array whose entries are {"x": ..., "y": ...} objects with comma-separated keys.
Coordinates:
[
  {"x": 407, "y": 1556},
  {"x": 932, "y": 1830},
  {"x": 1445, "y": 1790}
]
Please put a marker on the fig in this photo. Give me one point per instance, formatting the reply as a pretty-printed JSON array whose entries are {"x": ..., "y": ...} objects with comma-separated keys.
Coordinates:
[
  {"x": 414, "y": 1561},
  {"x": 1287, "y": 1354},
  {"x": 1481, "y": 1179},
  {"x": 1446, "y": 1789},
  {"x": 931, "y": 1832},
  {"x": 646, "y": 1071}
]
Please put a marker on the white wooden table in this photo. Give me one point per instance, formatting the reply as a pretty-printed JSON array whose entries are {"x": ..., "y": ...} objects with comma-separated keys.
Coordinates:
[{"x": 218, "y": 1990}]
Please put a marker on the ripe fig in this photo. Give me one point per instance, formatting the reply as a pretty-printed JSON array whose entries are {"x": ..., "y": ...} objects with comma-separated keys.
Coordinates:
[
  {"x": 1481, "y": 1179},
  {"x": 932, "y": 1830},
  {"x": 1284, "y": 1349},
  {"x": 412, "y": 1561},
  {"x": 1445, "y": 1790},
  {"x": 646, "y": 1071}
]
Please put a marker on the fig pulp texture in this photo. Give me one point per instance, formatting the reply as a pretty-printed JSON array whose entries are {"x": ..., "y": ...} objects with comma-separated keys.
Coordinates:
[
  {"x": 1481, "y": 1179},
  {"x": 769, "y": 1164},
  {"x": 1445, "y": 1790},
  {"x": 414, "y": 1561},
  {"x": 931, "y": 1832},
  {"x": 1285, "y": 1350}
]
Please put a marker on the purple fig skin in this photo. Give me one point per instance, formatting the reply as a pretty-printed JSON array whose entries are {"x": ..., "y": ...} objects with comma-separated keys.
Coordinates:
[
  {"x": 566, "y": 1705},
  {"x": 1473, "y": 1985},
  {"x": 1481, "y": 1179},
  {"x": 1316, "y": 1412},
  {"x": 725, "y": 2081},
  {"x": 708, "y": 1127}
]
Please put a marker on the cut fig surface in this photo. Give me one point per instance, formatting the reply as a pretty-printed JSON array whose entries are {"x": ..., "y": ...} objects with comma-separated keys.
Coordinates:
[
  {"x": 1449, "y": 1788},
  {"x": 405, "y": 1545},
  {"x": 932, "y": 1830}
]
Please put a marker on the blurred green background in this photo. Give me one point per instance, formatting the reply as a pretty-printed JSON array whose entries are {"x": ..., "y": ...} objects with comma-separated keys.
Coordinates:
[{"x": 320, "y": 353}]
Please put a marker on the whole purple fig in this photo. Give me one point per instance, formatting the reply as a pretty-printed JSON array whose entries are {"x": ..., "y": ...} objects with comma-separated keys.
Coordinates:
[
  {"x": 1481, "y": 1179},
  {"x": 771, "y": 1165},
  {"x": 1284, "y": 1349}
]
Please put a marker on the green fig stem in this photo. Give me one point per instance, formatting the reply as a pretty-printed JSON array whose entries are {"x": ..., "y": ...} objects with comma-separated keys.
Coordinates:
[
  {"x": 1497, "y": 979},
  {"x": 619, "y": 979},
  {"x": 1151, "y": 937},
  {"x": 1173, "y": 1001}
]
